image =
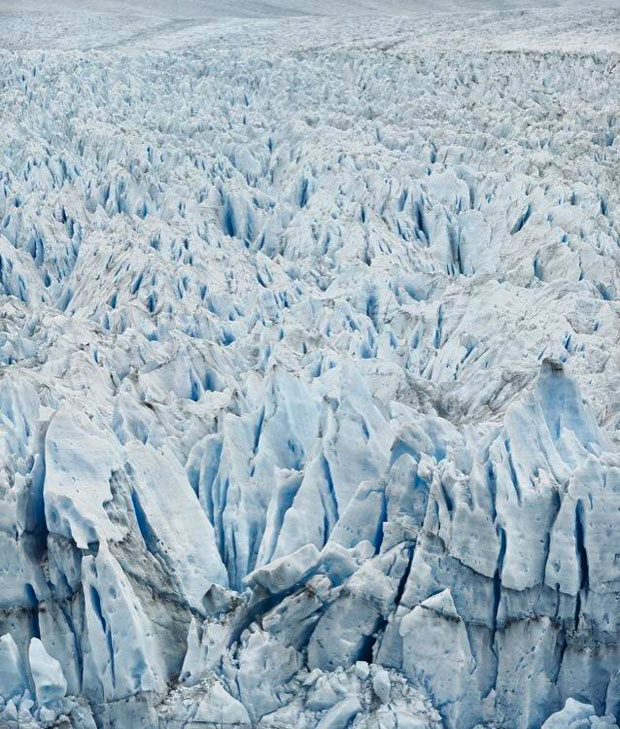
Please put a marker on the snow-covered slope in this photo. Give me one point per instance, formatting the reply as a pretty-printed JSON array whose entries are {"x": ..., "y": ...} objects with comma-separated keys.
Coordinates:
[
  {"x": 262, "y": 9},
  {"x": 309, "y": 371}
]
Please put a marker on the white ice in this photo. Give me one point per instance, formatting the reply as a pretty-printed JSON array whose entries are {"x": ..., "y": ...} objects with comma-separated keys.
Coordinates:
[{"x": 309, "y": 364}]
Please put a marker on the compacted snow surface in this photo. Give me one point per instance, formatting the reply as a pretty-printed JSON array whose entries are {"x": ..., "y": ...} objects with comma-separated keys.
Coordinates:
[{"x": 309, "y": 366}]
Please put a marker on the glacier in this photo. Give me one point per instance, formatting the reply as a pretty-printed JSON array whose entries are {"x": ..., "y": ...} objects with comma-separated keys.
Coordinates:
[{"x": 309, "y": 365}]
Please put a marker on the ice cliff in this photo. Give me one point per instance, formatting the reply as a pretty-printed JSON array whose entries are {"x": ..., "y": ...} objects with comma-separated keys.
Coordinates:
[{"x": 309, "y": 371}]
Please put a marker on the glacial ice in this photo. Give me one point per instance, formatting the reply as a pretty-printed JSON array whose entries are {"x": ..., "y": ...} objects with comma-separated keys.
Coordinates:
[
  {"x": 577, "y": 714},
  {"x": 309, "y": 367},
  {"x": 13, "y": 680},
  {"x": 50, "y": 684}
]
